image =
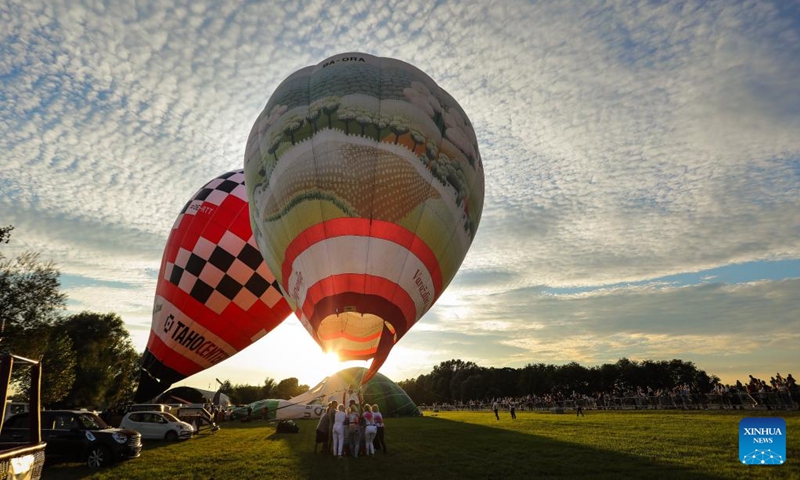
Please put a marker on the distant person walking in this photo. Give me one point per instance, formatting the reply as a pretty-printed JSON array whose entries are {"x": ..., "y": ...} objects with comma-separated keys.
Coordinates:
[
  {"x": 512, "y": 407},
  {"x": 495, "y": 407}
]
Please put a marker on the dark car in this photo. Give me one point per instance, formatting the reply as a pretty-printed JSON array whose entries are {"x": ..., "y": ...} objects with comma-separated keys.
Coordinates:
[{"x": 77, "y": 435}]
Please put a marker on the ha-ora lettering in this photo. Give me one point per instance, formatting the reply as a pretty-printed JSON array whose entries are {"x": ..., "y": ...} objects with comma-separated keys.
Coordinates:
[{"x": 762, "y": 441}]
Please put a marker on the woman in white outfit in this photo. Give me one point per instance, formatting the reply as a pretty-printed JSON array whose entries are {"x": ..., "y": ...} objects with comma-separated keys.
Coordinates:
[
  {"x": 338, "y": 431},
  {"x": 370, "y": 431}
]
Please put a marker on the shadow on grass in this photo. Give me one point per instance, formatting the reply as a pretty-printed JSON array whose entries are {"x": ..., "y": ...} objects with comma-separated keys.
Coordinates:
[{"x": 444, "y": 449}]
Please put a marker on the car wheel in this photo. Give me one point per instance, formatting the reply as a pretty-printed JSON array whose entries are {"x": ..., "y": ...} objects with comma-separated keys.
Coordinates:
[
  {"x": 171, "y": 436},
  {"x": 99, "y": 456}
]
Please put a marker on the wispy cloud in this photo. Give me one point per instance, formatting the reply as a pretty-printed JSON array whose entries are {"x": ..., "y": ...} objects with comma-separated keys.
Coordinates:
[{"x": 622, "y": 142}]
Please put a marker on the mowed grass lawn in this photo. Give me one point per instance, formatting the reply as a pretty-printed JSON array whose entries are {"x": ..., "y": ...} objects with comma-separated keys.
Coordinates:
[{"x": 458, "y": 445}]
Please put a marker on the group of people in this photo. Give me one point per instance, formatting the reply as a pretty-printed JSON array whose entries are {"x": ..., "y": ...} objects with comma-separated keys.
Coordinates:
[{"x": 354, "y": 430}]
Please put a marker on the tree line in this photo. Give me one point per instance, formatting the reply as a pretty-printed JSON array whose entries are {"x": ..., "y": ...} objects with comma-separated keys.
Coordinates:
[{"x": 456, "y": 381}]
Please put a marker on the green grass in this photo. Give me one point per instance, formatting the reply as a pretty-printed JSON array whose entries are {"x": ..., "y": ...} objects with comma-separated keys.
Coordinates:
[{"x": 457, "y": 445}]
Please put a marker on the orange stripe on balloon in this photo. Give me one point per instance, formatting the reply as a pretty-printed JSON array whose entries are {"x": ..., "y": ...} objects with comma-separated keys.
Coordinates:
[{"x": 350, "y": 337}]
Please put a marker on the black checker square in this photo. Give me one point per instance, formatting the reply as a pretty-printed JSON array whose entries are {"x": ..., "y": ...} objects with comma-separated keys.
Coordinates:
[
  {"x": 203, "y": 194},
  {"x": 257, "y": 285},
  {"x": 221, "y": 258},
  {"x": 250, "y": 256},
  {"x": 227, "y": 186},
  {"x": 175, "y": 276},
  {"x": 195, "y": 265},
  {"x": 229, "y": 287},
  {"x": 201, "y": 291}
]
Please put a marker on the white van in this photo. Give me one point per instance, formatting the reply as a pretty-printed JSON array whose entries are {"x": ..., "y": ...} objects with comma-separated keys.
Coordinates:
[{"x": 149, "y": 407}]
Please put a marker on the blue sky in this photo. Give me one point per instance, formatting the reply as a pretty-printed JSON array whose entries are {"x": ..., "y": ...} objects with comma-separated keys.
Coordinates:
[{"x": 642, "y": 165}]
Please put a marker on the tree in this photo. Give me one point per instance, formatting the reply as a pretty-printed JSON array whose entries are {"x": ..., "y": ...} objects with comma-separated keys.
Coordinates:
[
  {"x": 107, "y": 365},
  {"x": 30, "y": 302},
  {"x": 268, "y": 388},
  {"x": 29, "y": 297},
  {"x": 288, "y": 388},
  {"x": 5, "y": 234}
]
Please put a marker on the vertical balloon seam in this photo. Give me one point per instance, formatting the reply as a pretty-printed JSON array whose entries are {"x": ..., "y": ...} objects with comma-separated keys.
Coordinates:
[
  {"x": 313, "y": 332},
  {"x": 372, "y": 208}
]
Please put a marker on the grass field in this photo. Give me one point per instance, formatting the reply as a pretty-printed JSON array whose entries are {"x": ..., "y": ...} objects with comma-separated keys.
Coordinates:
[{"x": 458, "y": 445}]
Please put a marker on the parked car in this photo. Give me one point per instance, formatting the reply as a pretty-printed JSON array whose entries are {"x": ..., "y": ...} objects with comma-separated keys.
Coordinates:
[
  {"x": 77, "y": 435},
  {"x": 157, "y": 425},
  {"x": 149, "y": 407}
]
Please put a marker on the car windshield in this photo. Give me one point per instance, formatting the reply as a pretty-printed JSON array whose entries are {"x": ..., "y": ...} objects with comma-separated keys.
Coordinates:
[
  {"x": 90, "y": 421},
  {"x": 170, "y": 417}
]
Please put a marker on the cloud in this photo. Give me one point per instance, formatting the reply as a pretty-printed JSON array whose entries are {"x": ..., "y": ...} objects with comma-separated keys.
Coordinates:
[{"x": 622, "y": 142}]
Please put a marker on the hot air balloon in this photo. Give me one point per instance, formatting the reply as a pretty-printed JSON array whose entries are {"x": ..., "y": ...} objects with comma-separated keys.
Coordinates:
[
  {"x": 215, "y": 295},
  {"x": 366, "y": 189}
]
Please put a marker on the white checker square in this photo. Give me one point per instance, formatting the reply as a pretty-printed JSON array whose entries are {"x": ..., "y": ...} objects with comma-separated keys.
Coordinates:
[
  {"x": 187, "y": 282},
  {"x": 231, "y": 243},
  {"x": 245, "y": 299},
  {"x": 182, "y": 258},
  {"x": 217, "y": 302},
  {"x": 265, "y": 272},
  {"x": 271, "y": 297},
  {"x": 240, "y": 272},
  {"x": 216, "y": 197},
  {"x": 203, "y": 248},
  {"x": 211, "y": 275},
  {"x": 240, "y": 191}
]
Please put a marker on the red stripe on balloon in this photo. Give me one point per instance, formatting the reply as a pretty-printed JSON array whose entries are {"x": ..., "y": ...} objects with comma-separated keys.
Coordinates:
[
  {"x": 362, "y": 284},
  {"x": 364, "y": 227}
]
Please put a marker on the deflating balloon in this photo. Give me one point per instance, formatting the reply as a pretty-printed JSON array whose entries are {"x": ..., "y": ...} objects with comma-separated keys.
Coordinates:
[
  {"x": 215, "y": 295},
  {"x": 366, "y": 189}
]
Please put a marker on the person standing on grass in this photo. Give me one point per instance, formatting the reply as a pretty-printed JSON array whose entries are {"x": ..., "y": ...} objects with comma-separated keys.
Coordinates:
[
  {"x": 370, "y": 430},
  {"x": 338, "y": 431},
  {"x": 354, "y": 433},
  {"x": 377, "y": 418},
  {"x": 512, "y": 407},
  {"x": 495, "y": 407},
  {"x": 323, "y": 431}
]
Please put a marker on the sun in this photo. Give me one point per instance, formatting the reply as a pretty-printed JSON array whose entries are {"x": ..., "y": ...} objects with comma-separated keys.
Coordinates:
[{"x": 332, "y": 359}]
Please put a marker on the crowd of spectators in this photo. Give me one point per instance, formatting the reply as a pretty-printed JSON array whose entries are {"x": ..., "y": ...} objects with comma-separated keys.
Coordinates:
[{"x": 779, "y": 393}]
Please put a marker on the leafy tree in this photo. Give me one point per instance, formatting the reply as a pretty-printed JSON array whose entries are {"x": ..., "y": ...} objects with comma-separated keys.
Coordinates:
[
  {"x": 107, "y": 365},
  {"x": 5, "y": 234},
  {"x": 268, "y": 388},
  {"x": 29, "y": 297},
  {"x": 288, "y": 388},
  {"x": 246, "y": 394},
  {"x": 30, "y": 301}
]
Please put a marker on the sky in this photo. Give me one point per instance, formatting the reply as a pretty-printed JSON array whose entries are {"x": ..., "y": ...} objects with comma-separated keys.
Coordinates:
[{"x": 642, "y": 164}]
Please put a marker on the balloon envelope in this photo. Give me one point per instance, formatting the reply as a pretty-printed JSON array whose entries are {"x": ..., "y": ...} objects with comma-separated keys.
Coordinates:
[
  {"x": 366, "y": 189},
  {"x": 215, "y": 295}
]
